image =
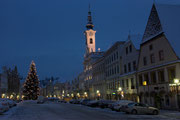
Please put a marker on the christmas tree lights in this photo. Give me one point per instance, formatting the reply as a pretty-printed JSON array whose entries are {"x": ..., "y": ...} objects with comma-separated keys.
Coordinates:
[{"x": 31, "y": 86}]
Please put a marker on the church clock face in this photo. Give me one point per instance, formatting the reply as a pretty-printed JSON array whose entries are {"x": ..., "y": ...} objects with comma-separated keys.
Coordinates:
[{"x": 91, "y": 34}]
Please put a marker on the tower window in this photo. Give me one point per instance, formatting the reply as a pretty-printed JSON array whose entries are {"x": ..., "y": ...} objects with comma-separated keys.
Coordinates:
[{"x": 91, "y": 41}]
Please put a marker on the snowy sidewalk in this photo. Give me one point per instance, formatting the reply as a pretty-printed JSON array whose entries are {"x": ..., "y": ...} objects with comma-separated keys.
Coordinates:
[{"x": 171, "y": 114}]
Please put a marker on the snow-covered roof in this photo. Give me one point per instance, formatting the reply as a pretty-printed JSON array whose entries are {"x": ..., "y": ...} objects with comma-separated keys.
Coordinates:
[
  {"x": 135, "y": 39},
  {"x": 169, "y": 16}
]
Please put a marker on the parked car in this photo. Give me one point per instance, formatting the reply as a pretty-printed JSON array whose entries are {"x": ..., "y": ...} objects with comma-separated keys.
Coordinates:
[
  {"x": 62, "y": 101},
  {"x": 10, "y": 102},
  {"x": 53, "y": 99},
  {"x": 3, "y": 106},
  {"x": 81, "y": 101},
  {"x": 111, "y": 105},
  {"x": 121, "y": 104},
  {"x": 71, "y": 101},
  {"x": 139, "y": 108},
  {"x": 105, "y": 103},
  {"x": 93, "y": 103},
  {"x": 85, "y": 101},
  {"x": 78, "y": 101}
]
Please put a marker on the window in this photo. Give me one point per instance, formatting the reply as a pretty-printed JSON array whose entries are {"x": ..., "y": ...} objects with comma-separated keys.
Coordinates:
[
  {"x": 153, "y": 77},
  {"x": 127, "y": 83},
  {"x": 152, "y": 58},
  {"x": 161, "y": 55},
  {"x": 91, "y": 41},
  {"x": 132, "y": 83},
  {"x": 151, "y": 47},
  {"x": 114, "y": 56},
  {"x": 145, "y": 61},
  {"x": 117, "y": 68},
  {"x": 112, "y": 71},
  {"x": 117, "y": 55},
  {"x": 140, "y": 80},
  {"x": 122, "y": 83},
  {"x": 161, "y": 76},
  {"x": 129, "y": 67},
  {"x": 130, "y": 48},
  {"x": 126, "y": 50},
  {"x": 134, "y": 65},
  {"x": 171, "y": 74},
  {"x": 125, "y": 69}
]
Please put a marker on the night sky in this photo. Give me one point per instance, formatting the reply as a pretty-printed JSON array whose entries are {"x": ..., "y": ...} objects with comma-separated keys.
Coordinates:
[{"x": 50, "y": 32}]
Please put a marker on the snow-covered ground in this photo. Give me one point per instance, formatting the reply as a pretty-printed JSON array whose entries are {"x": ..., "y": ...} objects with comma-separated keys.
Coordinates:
[{"x": 29, "y": 110}]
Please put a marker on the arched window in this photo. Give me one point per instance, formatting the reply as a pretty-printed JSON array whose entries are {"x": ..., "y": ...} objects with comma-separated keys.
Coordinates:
[{"x": 91, "y": 41}]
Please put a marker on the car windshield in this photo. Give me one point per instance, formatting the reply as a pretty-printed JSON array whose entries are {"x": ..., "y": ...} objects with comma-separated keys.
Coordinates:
[{"x": 131, "y": 104}]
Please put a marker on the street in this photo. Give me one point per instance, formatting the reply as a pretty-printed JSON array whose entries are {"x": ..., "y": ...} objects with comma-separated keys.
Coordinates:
[{"x": 61, "y": 111}]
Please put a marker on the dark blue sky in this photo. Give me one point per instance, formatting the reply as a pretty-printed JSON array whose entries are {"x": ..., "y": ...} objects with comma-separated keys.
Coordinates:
[{"x": 50, "y": 32}]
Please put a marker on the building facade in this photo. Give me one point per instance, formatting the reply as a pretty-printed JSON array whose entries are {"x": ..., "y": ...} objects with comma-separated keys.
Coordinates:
[
  {"x": 128, "y": 65},
  {"x": 159, "y": 67}
]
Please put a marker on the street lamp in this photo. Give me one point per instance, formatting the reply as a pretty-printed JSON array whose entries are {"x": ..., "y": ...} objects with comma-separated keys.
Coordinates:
[
  {"x": 119, "y": 89},
  {"x": 85, "y": 94},
  {"x": 120, "y": 92},
  {"x": 176, "y": 81},
  {"x": 78, "y": 95},
  {"x": 98, "y": 94}
]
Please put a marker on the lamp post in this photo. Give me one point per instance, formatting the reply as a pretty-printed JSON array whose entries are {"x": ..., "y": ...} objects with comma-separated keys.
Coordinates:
[
  {"x": 119, "y": 92},
  {"x": 98, "y": 94},
  {"x": 85, "y": 94}
]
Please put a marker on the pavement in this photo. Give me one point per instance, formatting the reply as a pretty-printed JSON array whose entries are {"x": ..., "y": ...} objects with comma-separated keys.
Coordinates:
[{"x": 63, "y": 111}]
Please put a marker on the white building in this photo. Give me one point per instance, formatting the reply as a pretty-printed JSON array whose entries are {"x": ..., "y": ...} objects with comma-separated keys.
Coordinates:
[{"x": 159, "y": 60}]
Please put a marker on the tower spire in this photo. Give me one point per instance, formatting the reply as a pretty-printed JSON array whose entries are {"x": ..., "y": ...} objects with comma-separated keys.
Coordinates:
[{"x": 90, "y": 23}]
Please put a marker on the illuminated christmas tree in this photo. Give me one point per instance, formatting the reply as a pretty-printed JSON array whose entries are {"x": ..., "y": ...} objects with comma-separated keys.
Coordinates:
[{"x": 31, "y": 85}]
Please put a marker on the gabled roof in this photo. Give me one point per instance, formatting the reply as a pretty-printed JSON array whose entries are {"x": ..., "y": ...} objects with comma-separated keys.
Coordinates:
[
  {"x": 135, "y": 39},
  {"x": 169, "y": 17}
]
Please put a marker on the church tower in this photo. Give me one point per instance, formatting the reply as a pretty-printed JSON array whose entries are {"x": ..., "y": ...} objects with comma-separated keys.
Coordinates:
[{"x": 90, "y": 35}]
